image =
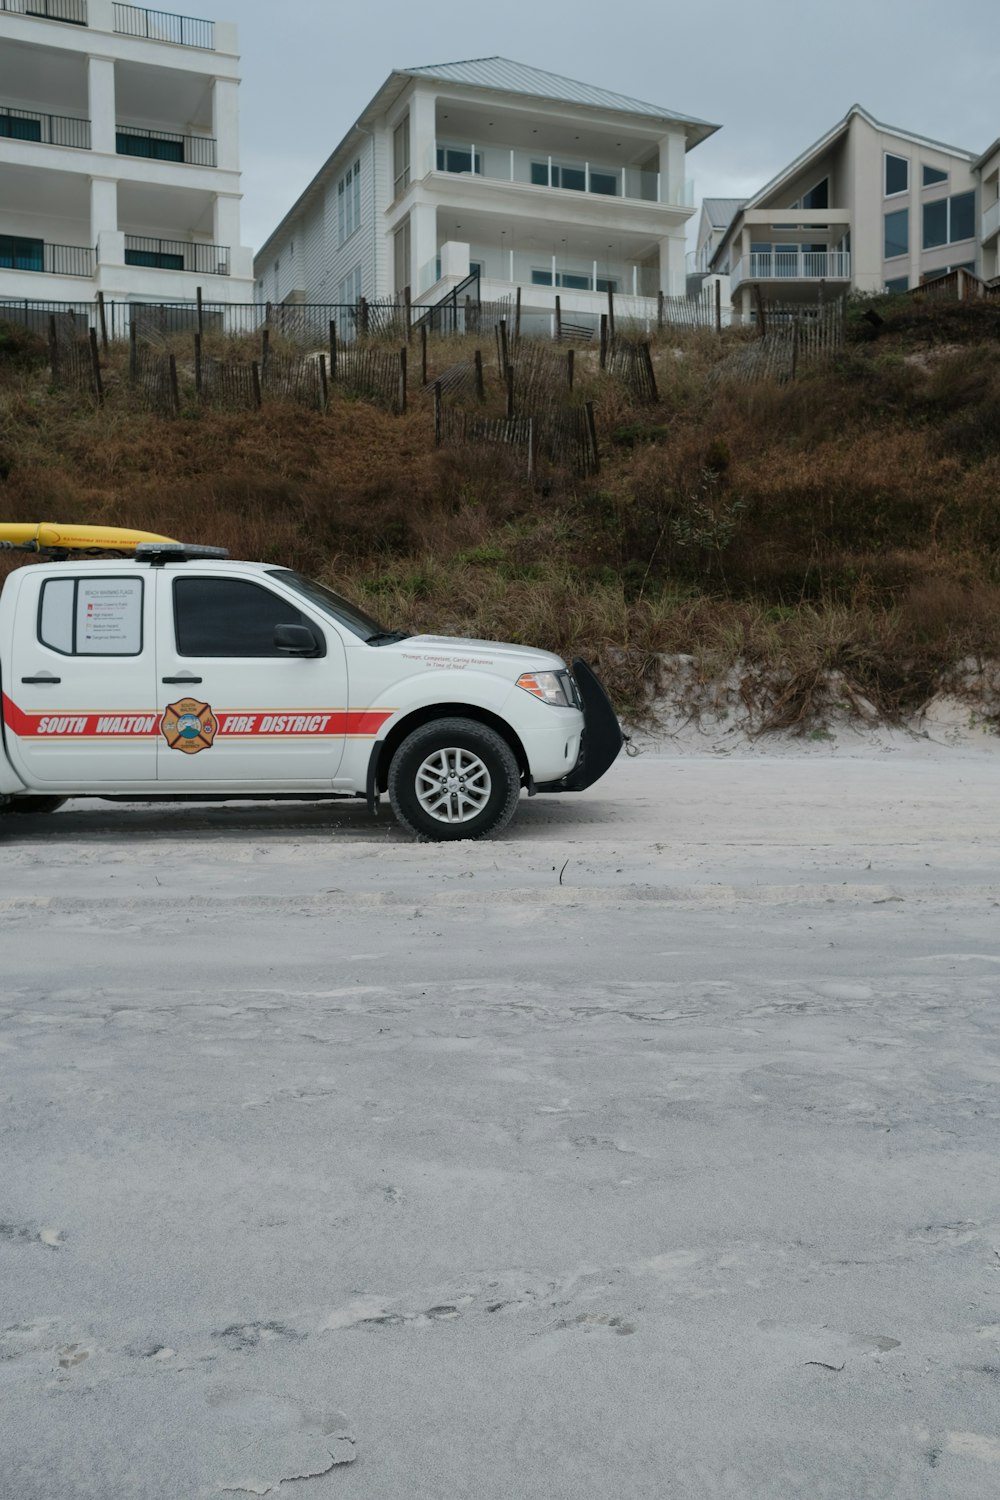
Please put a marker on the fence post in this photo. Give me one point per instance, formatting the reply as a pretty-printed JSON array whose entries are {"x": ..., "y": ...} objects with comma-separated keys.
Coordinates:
[
  {"x": 659, "y": 309},
  {"x": 265, "y": 351},
  {"x": 569, "y": 367},
  {"x": 53, "y": 348},
  {"x": 95, "y": 367},
  {"x": 333, "y": 348},
  {"x": 604, "y": 341},
  {"x": 718, "y": 306},
  {"x": 102, "y": 319},
  {"x": 255, "y": 382},
  {"x": 363, "y": 309},
  {"x": 467, "y": 326},
  {"x": 592, "y": 429},
  {"x": 795, "y": 348},
  {"x": 423, "y": 354},
  {"x": 402, "y": 380},
  {"x": 558, "y": 319},
  {"x": 504, "y": 361},
  {"x": 437, "y": 414},
  {"x": 175, "y": 395},
  {"x": 197, "y": 363},
  {"x": 761, "y": 313},
  {"x": 323, "y": 387},
  {"x": 611, "y": 312},
  {"x": 647, "y": 360},
  {"x": 133, "y": 348},
  {"x": 517, "y": 313},
  {"x": 509, "y": 377},
  {"x": 201, "y": 321},
  {"x": 531, "y": 447},
  {"x": 480, "y": 387},
  {"x": 408, "y": 304}
]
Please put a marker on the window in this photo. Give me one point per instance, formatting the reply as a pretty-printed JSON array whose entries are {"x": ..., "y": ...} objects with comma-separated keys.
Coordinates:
[
  {"x": 897, "y": 174},
  {"x": 159, "y": 260},
  {"x": 947, "y": 220},
  {"x": 455, "y": 159},
  {"x": 91, "y": 616},
  {"x": 898, "y": 284},
  {"x": 349, "y": 290},
  {"x": 229, "y": 617},
  {"x": 401, "y": 156},
  {"x": 18, "y": 129},
  {"x": 18, "y": 254},
  {"x": 349, "y": 202},
  {"x": 819, "y": 196},
  {"x": 129, "y": 143},
  {"x": 897, "y": 233},
  {"x": 574, "y": 178},
  {"x": 968, "y": 265},
  {"x": 931, "y": 175},
  {"x": 574, "y": 281}
]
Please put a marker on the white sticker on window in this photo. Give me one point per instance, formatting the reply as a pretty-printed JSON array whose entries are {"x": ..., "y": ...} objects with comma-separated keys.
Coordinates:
[{"x": 109, "y": 617}]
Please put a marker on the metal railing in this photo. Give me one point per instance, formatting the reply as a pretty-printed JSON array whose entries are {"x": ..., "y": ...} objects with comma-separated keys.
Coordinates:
[
  {"x": 164, "y": 145},
  {"x": 793, "y": 265},
  {"x": 163, "y": 26},
  {"x": 50, "y": 130},
  {"x": 499, "y": 163},
  {"x": 991, "y": 220},
  {"x": 73, "y": 12},
  {"x": 176, "y": 255},
  {"x": 57, "y": 260}
]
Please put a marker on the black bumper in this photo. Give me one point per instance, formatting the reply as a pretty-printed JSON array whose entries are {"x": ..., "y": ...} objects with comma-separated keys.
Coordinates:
[{"x": 602, "y": 735}]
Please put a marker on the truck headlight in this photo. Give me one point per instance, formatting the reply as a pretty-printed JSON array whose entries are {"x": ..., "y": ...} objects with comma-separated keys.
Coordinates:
[{"x": 557, "y": 688}]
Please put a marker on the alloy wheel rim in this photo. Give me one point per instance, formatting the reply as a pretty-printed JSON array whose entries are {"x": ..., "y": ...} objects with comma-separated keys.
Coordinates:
[{"x": 453, "y": 785}]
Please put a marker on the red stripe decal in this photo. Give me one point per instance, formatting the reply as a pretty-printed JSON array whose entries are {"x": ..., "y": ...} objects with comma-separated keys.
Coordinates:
[{"x": 308, "y": 723}]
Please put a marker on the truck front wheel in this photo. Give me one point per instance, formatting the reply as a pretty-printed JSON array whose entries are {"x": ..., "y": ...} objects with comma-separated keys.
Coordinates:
[
  {"x": 454, "y": 779},
  {"x": 33, "y": 804}
]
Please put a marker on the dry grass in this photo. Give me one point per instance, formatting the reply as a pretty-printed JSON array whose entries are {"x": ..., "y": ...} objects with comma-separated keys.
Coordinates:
[{"x": 842, "y": 529}]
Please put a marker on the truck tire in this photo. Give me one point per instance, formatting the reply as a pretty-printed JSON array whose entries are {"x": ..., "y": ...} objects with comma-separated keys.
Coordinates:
[
  {"x": 454, "y": 779},
  {"x": 33, "y": 805}
]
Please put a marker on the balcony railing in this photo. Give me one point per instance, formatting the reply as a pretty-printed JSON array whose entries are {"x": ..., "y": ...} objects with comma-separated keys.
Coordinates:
[
  {"x": 18, "y": 253},
  {"x": 176, "y": 255},
  {"x": 50, "y": 130},
  {"x": 539, "y": 169},
  {"x": 74, "y": 12},
  {"x": 991, "y": 220},
  {"x": 565, "y": 274},
  {"x": 793, "y": 265},
  {"x": 163, "y": 26},
  {"x": 163, "y": 145}
]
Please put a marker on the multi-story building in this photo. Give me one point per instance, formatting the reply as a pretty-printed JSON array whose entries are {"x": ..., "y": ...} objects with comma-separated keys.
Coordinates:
[
  {"x": 987, "y": 170},
  {"x": 867, "y": 207},
  {"x": 119, "y": 155},
  {"x": 489, "y": 166}
]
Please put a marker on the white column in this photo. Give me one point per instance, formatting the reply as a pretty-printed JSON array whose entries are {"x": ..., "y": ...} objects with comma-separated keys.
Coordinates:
[
  {"x": 672, "y": 163},
  {"x": 101, "y": 104},
  {"x": 226, "y": 123},
  {"x": 226, "y": 220},
  {"x": 423, "y": 134},
  {"x": 104, "y": 235},
  {"x": 673, "y": 264},
  {"x": 423, "y": 241}
]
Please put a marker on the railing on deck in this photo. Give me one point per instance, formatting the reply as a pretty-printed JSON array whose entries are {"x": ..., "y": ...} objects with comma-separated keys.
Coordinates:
[
  {"x": 162, "y": 26},
  {"x": 50, "y": 130},
  {"x": 73, "y": 12},
  {"x": 176, "y": 255},
  {"x": 498, "y": 163},
  {"x": 793, "y": 265},
  {"x": 164, "y": 145},
  {"x": 19, "y": 254}
]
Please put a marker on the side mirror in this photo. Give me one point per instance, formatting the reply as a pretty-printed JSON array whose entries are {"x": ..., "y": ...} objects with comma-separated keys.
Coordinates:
[{"x": 296, "y": 640}]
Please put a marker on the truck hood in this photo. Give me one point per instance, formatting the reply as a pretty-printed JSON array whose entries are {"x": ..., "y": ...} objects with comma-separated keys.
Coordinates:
[{"x": 486, "y": 654}]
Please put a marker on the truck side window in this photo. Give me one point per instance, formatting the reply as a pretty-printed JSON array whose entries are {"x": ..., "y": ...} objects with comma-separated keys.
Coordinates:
[
  {"x": 91, "y": 616},
  {"x": 229, "y": 617}
]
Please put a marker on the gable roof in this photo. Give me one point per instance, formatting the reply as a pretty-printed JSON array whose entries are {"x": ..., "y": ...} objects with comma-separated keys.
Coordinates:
[
  {"x": 720, "y": 212},
  {"x": 506, "y": 76}
]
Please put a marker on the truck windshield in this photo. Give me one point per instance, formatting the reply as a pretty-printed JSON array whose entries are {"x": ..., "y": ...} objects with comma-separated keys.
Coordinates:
[{"x": 339, "y": 609}]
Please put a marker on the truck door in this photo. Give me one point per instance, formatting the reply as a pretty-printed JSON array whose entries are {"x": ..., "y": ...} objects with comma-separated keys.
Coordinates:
[
  {"x": 80, "y": 703},
  {"x": 235, "y": 710}
]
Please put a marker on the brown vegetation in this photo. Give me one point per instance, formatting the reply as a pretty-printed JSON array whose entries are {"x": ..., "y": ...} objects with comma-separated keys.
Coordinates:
[{"x": 846, "y": 523}]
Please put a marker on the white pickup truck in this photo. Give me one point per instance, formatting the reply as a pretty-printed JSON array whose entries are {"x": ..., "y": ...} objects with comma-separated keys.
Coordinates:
[{"x": 176, "y": 672}]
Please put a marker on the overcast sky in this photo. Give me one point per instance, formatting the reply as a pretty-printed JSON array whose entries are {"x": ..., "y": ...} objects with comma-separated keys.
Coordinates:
[{"x": 774, "y": 74}]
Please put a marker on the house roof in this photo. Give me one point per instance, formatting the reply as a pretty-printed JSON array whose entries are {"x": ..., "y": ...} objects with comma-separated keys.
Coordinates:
[
  {"x": 508, "y": 77},
  {"x": 824, "y": 143},
  {"x": 720, "y": 212}
]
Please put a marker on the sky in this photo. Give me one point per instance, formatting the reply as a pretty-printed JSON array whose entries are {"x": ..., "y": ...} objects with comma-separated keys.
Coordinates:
[{"x": 773, "y": 74}]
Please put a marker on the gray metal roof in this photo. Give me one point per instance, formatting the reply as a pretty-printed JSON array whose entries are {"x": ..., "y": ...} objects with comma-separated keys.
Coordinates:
[
  {"x": 722, "y": 211},
  {"x": 508, "y": 77}
]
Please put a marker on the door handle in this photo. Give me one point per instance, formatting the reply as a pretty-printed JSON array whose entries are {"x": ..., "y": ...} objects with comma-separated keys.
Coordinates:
[
  {"x": 185, "y": 679},
  {"x": 45, "y": 679}
]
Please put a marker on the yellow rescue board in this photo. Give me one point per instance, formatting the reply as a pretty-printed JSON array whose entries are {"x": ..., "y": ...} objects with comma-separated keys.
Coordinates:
[{"x": 78, "y": 538}]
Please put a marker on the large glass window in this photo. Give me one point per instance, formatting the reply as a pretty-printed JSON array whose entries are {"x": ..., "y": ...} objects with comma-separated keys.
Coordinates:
[
  {"x": 574, "y": 178},
  {"x": 20, "y": 129},
  {"x": 349, "y": 289},
  {"x": 349, "y": 202},
  {"x": 947, "y": 220},
  {"x": 229, "y": 617},
  {"x": 401, "y": 156},
  {"x": 458, "y": 159},
  {"x": 129, "y": 143},
  {"x": 819, "y": 196},
  {"x": 897, "y": 233},
  {"x": 158, "y": 260},
  {"x": 931, "y": 175},
  {"x": 897, "y": 174},
  {"x": 898, "y": 284},
  {"x": 18, "y": 254}
]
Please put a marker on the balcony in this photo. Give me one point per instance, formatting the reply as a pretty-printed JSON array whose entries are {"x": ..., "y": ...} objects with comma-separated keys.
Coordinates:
[
  {"x": 495, "y": 163},
  {"x": 73, "y": 12},
  {"x": 50, "y": 130},
  {"x": 18, "y": 253},
  {"x": 991, "y": 221},
  {"x": 162, "y": 145},
  {"x": 159, "y": 26},
  {"x": 793, "y": 265},
  {"x": 176, "y": 255}
]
